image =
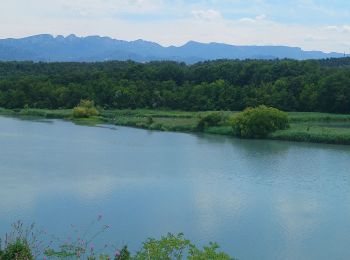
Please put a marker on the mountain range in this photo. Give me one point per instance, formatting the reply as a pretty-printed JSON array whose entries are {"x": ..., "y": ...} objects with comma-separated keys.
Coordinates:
[{"x": 47, "y": 48}]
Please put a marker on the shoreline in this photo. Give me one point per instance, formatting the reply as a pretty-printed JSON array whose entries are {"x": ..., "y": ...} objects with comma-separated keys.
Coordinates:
[{"x": 307, "y": 127}]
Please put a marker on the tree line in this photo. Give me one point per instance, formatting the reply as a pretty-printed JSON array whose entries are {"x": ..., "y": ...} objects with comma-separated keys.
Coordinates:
[{"x": 289, "y": 85}]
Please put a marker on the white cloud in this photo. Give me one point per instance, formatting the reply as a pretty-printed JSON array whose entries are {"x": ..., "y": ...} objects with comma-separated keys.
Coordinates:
[
  {"x": 315, "y": 38},
  {"x": 247, "y": 20},
  {"x": 258, "y": 18},
  {"x": 107, "y": 7},
  {"x": 331, "y": 28},
  {"x": 339, "y": 29},
  {"x": 206, "y": 14}
]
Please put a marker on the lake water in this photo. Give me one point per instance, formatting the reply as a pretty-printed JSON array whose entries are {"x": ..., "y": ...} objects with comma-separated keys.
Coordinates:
[{"x": 257, "y": 199}]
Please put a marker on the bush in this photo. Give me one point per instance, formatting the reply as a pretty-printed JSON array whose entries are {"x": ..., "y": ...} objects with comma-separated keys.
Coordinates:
[
  {"x": 208, "y": 252},
  {"x": 259, "y": 122},
  {"x": 19, "y": 250},
  {"x": 177, "y": 247},
  {"x": 150, "y": 120},
  {"x": 212, "y": 119},
  {"x": 86, "y": 108},
  {"x": 124, "y": 254}
]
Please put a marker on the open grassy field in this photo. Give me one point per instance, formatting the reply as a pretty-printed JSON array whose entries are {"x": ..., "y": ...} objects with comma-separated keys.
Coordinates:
[{"x": 304, "y": 126}]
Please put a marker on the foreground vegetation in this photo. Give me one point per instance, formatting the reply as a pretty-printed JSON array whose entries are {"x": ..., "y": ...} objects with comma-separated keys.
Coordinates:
[
  {"x": 166, "y": 248},
  {"x": 28, "y": 243},
  {"x": 303, "y": 126}
]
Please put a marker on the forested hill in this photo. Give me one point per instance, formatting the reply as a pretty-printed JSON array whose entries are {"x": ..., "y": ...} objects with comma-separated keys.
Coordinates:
[
  {"x": 217, "y": 85},
  {"x": 48, "y": 48}
]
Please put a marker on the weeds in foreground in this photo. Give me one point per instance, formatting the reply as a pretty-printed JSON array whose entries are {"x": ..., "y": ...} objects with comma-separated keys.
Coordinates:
[{"x": 24, "y": 243}]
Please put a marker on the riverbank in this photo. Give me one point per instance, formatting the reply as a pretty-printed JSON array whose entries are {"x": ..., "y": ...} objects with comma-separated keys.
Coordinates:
[{"x": 304, "y": 126}]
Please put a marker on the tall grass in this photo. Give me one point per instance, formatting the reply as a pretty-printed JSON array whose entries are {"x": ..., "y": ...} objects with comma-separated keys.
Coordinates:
[{"x": 314, "y": 133}]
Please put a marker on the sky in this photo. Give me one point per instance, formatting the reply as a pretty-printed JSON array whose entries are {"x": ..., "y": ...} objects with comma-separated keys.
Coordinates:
[{"x": 309, "y": 24}]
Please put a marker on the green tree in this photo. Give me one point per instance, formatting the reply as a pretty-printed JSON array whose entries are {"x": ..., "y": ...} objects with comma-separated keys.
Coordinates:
[
  {"x": 259, "y": 122},
  {"x": 86, "y": 108},
  {"x": 213, "y": 85}
]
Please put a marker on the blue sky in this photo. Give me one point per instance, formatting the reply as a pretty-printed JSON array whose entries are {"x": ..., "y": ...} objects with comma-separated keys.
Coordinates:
[{"x": 310, "y": 24}]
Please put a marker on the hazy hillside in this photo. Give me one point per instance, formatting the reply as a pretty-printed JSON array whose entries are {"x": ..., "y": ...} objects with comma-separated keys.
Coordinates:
[{"x": 45, "y": 47}]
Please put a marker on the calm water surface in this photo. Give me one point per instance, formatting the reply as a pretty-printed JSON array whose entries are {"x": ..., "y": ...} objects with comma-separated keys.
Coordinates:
[{"x": 258, "y": 199}]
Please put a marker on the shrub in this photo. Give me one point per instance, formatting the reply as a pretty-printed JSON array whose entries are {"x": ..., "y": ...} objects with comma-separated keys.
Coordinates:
[
  {"x": 19, "y": 250},
  {"x": 177, "y": 247},
  {"x": 212, "y": 119},
  {"x": 150, "y": 120},
  {"x": 168, "y": 247},
  {"x": 124, "y": 254},
  {"x": 21, "y": 243},
  {"x": 259, "y": 122},
  {"x": 86, "y": 108},
  {"x": 208, "y": 252}
]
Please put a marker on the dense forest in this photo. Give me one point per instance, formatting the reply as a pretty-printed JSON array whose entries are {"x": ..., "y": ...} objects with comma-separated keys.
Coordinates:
[{"x": 216, "y": 85}]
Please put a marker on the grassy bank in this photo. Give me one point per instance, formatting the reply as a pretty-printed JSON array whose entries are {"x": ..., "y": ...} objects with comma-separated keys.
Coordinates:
[{"x": 305, "y": 127}]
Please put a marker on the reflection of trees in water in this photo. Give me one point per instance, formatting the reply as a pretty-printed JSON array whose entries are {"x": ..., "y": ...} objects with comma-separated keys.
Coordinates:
[
  {"x": 265, "y": 146},
  {"x": 248, "y": 146},
  {"x": 34, "y": 119}
]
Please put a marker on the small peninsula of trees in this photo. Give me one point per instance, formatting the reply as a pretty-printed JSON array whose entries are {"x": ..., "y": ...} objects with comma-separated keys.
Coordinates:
[{"x": 289, "y": 85}]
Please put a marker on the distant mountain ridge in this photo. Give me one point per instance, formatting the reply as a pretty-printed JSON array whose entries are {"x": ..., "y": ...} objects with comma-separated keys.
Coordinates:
[{"x": 45, "y": 47}]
